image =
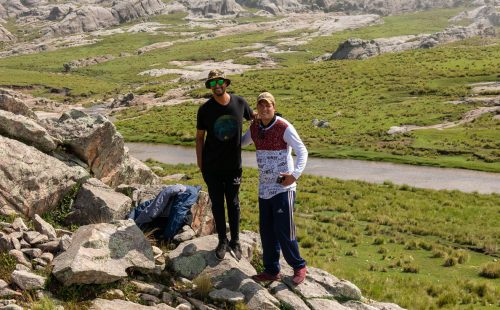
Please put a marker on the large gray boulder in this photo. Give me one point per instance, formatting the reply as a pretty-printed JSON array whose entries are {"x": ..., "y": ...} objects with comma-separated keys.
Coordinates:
[
  {"x": 94, "y": 140},
  {"x": 32, "y": 182},
  {"x": 102, "y": 253},
  {"x": 24, "y": 129},
  {"x": 98, "y": 203}
]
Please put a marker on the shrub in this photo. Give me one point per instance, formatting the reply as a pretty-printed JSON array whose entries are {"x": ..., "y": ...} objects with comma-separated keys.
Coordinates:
[
  {"x": 378, "y": 241},
  {"x": 411, "y": 268},
  {"x": 351, "y": 253},
  {"x": 490, "y": 270},
  {"x": 382, "y": 250},
  {"x": 450, "y": 261},
  {"x": 203, "y": 285}
]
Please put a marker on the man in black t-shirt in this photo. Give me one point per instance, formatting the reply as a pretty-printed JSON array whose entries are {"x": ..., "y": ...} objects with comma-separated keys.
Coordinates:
[{"x": 218, "y": 152}]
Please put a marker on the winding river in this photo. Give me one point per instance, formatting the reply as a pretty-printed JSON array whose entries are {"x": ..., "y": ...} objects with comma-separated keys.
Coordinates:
[{"x": 348, "y": 169}]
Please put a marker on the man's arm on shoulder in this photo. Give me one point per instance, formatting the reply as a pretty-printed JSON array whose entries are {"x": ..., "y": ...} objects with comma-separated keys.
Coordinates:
[{"x": 200, "y": 141}]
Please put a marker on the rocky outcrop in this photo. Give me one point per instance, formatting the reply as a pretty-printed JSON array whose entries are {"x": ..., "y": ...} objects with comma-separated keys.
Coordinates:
[
  {"x": 94, "y": 140},
  {"x": 211, "y": 7},
  {"x": 85, "y": 19},
  {"x": 102, "y": 253},
  {"x": 91, "y": 18},
  {"x": 32, "y": 182},
  {"x": 232, "y": 279},
  {"x": 361, "y": 49},
  {"x": 98, "y": 203},
  {"x": 80, "y": 63},
  {"x": 125, "y": 11}
]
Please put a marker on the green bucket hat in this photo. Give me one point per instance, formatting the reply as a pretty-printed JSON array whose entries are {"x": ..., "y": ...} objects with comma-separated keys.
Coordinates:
[{"x": 215, "y": 75}]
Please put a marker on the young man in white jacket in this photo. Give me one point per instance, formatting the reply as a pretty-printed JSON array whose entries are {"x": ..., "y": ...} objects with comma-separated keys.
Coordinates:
[{"x": 274, "y": 138}]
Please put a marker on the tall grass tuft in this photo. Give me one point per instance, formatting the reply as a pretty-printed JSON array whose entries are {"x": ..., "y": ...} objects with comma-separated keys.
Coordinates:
[{"x": 490, "y": 270}]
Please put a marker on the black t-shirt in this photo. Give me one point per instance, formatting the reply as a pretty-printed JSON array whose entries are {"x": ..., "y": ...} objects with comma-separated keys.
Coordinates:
[{"x": 223, "y": 125}]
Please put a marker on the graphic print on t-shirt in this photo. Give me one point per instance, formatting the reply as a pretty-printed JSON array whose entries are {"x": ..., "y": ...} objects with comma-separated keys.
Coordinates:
[{"x": 225, "y": 127}]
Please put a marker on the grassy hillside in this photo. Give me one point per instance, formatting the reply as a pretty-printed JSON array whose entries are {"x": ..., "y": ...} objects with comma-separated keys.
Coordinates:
[
  {"x": 422, "y": 249},
  {"x": 361, "y": 100}
]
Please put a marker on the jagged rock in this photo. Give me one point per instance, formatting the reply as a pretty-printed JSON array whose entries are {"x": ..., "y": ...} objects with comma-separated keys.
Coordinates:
[
  {"x": 5, "y": 35},
  {"x": 65, "y": 243},
  {"x": 32, "y": 182},
  {"x": 14, "y": 105},
  {"x": 23, "y": 267},
  {"x": 19, "y": 225},
  {"x": 149, "y": 299},
  {"x": 43, "y": 227},
  {"x": 226, "y": 295},
  {"x": 24, "y": 129},
  {"x": 98, "y": 203},
  {"x": 203, "y": 223},
  {"x": 361, "y": 49},
  {"x": 7, "y": 292},
  {"x": 34, "y": 237},
  {"x": 27, "y": 280},
  {"x": 94, "y": 140},
  {"x": 103, "y": 304},
  {"x": 60, "y": 11},
  {"x": 101, "y": 253}
]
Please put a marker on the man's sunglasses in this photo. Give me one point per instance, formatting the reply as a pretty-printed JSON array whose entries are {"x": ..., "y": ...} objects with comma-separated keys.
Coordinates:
[{"x": 212, "y": 83}]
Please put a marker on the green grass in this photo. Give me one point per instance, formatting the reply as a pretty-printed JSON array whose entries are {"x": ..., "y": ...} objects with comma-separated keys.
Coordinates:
[{"x": 391, "y": 241}]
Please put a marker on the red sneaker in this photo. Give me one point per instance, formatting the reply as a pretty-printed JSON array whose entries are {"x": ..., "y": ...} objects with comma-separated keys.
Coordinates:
[
  {"x": 264, "y": 276},
  {"x": 299, "y": 275}
]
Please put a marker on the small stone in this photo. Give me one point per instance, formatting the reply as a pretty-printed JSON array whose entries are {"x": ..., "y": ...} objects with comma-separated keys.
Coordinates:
[
  {"x": 15, "y": 243},
  {"x": 115, "y": 293},
  {"x": 24, "y": 244},
  {"x": 148, "y": 288},
  {"x": 48, "y": 257},
  {"x": 43, "y": 227},
  {"x": 3, "y": 284},
  {"x": 150, "y": 299},
  {"x": 18, "y": 225},
  {"x": 51, "y": 246},
  {"x": 157, "y": 251},
  {"x": 34, "y": 237},
  {"x": 64, "y": 243},
  {"x": 167, "y": 298},
  {"x": 189, "y": 250},
  {"x": 22, "y": 267},
  {"x": 40, "y": 262},
  {"x": 7, "y": 292},
  {"x": 227, "y": 296},
  {"x": 20, "y": 258},
  {"x": 27, "y": 280},
  {"x": 32, "y": 252}
]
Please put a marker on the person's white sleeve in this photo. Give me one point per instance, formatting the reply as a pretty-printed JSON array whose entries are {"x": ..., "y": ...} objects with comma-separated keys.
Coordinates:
[
  {"x": 246, "y": 139},
  {"x": 292, "y": 138}
]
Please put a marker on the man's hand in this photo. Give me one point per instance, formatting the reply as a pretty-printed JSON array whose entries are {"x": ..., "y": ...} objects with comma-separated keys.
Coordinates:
[{"x": 288, "y": 179}]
